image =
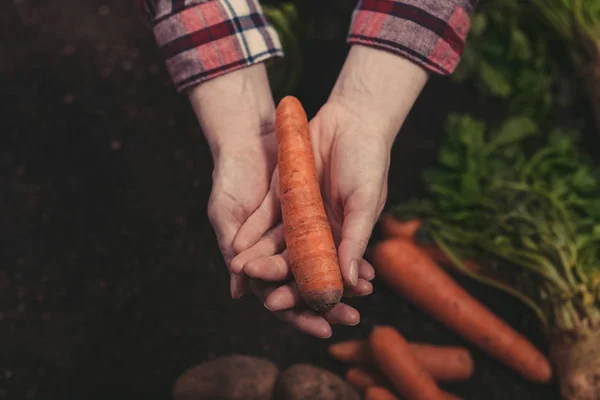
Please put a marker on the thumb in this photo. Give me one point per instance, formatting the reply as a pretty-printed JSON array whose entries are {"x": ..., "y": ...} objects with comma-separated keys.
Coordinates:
[
  {"x": 356, "y": 231},
  {"x": 226, "y": 227}
]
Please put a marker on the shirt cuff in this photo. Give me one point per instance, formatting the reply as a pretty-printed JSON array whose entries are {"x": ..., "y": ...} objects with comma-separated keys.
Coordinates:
[
  {"x": 200, "y": 40},
  {"x": 431, "y": 33}
]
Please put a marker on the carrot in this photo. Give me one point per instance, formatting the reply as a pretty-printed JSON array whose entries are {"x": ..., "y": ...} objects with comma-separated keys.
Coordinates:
[
  {"x": 392, "y": 227},
  {"x": 397, "y": 362},
  {"x": 415, "y": 276},
  {"x": 309, "y": 241},
  {"x": 361, "y": 379},
  {"x": 443, "y": 363},
  {"x": 379, "y": 393},
  {"x": 351, "y": 351}
]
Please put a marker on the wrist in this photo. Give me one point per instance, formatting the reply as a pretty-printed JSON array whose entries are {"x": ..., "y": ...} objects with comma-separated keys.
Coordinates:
[
  {"x": 234, "y": 108},
  {"x": 379, "y": 86}
]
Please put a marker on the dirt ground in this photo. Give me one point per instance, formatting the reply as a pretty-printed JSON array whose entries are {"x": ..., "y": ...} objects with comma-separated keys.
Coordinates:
[{"x": 111, "y": 283}]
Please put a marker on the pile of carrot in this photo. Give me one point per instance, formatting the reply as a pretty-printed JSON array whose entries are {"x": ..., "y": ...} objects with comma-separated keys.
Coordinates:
[
  {"x": 386, "y": 361},
  {"x": 414, "y": 274},
  {"x": 386, "y": 364},
  {"x": 311, "y": 249}
]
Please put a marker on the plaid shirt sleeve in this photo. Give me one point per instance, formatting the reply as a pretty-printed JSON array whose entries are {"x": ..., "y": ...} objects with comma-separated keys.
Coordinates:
[
  {"x": 431, "y": 33},
  {"x": 203, "y": 39}
]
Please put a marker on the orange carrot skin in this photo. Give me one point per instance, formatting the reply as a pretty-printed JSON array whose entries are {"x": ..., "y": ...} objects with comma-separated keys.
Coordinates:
[
  {"x": 361, "y": 379},
  {"x": 379, "y": 393},
  {"x": 396, "y": 361},
  {"x": 412, "y": 274},
  {"x": 351, "y": 351},
  {"x": 392, "y": 227},
  {"x": 310, "y": 245},
  {"x": 443, "y": 363}
]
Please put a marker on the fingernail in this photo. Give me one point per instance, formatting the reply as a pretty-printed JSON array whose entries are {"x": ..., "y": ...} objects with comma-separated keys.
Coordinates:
[
  {"x": 233, "y": 288},
  {"x": 353, "y": 273},
  {"x": 273, "y": 302}
]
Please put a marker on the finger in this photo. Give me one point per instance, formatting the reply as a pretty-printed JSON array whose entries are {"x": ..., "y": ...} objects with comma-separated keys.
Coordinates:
[
  {"x": 238, "y": 284},
  {"x": 366, "y": 270},
  {"x": 305, "y": 321},
  {"x": 362, "y": 288},
  {"x": 225, "y": 226},
  {"x": 343, "y": 314},
  {"x": 288, "y": 296},
  {"x": 273, "y": 268},
  {"x": 261, "y": 220},
  {"x": 283, "y": 298},
  {"x": 356, "y": 231},
  {"x": 270, "y": 244}
]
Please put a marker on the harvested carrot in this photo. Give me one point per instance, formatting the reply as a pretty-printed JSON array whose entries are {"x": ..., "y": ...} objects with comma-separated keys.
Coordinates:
[
  {"x": 351, "y": 351},
  {"x": 415, "y": 276},
  {"x": 396, "y": 361},
  {"x": 307, "y": 232},
  {"x": 392, "y": 227},
  {"x": 379, "y": 393},
  {"x": 443, "y": 363},
  {"x": 361, "y": 378}
]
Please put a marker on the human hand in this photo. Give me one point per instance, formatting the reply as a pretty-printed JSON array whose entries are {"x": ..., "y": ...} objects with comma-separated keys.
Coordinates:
[
  {"x": 352, "y": 167},
  {"x": 352, "y": 137},
  {"x": 236, "y": 113}
]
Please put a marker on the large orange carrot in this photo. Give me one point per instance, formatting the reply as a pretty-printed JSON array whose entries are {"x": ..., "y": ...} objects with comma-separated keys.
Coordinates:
[
  {"x": 311, "y": 249},
  {"x": 414, "y": 275},
  {"x": 443, "y": 363},
  {"x": 397, "y": 362},
  {"x": 361, "y": 378},
  {"x": 379, "y": 393}
]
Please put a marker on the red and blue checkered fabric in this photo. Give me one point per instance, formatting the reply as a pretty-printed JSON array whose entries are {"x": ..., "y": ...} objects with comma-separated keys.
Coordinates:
[{"x": 202, "y": 39}]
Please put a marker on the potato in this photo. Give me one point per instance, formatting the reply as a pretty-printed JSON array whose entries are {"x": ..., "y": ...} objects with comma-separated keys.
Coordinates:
[
  {"x": 307, "y": 382},
  {"x": 235, "y": 377}
]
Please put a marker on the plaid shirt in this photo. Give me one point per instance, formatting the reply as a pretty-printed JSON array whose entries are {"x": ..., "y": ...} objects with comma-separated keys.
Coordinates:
[{"x": 202, "y": 39}]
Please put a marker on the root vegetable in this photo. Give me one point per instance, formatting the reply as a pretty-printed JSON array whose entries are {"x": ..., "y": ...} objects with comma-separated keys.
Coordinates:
[
  {"x": 310, "y": 245},
  {"x": 415, "y": 276},
  {"x": 392, "y": 227},
  {"x": 361, "y": 379},
  {"x": 396, "y": 361},
  {"x": 379, "y": 393},
  {"x": 235, "y": 377},
  {"x": 443, "y": 363}
]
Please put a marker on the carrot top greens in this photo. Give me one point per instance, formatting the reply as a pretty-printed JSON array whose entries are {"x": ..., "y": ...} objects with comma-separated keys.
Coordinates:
[{"x": 526, "y": 208}]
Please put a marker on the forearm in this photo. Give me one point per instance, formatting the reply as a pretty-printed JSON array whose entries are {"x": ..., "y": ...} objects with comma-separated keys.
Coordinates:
[
  {"x": 396, "y": 44},
  {"x": 234, "y": 107},
  {"x": 379, "y": 85}
]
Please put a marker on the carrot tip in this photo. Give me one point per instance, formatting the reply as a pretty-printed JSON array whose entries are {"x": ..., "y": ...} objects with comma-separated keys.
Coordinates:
[{"x": 322, "y": 300}]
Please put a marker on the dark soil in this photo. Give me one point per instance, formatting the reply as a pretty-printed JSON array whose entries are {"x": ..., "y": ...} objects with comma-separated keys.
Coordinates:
[{"x": 111, "y": 283}]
